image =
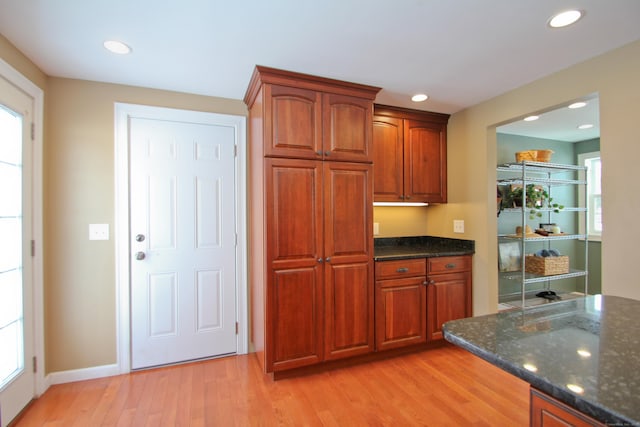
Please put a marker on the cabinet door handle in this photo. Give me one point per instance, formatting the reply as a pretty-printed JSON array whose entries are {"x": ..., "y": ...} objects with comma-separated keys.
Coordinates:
[
  {"x": 319, "y": 153},
  {"x": 320, "y": 260},
  {"x": 403, "y": 270},
  {"x": 408, "y": 197},
  {"x": 327, "y": 153},
  {"x": 328, "y": 259},
  {"x": 450, "y": 266},
  {"x": 425, "y": 283},
  {"x": 402, "y": 197}
]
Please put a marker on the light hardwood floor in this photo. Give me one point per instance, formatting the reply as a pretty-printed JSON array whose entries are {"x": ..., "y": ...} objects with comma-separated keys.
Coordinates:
[{"x": 441, "y": 387}]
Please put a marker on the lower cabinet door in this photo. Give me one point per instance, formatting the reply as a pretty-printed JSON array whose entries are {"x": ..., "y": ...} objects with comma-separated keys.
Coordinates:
[
  {"x": 401, "y": 312},
  {"x": 295, "y": 328},
  {"x": 348, "y": 310},
  {"x": 549, "y": 412},
  {"x": 449, "y": 299}
]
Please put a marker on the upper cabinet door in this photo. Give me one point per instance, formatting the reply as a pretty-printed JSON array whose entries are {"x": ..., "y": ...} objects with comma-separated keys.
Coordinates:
[
  {"x": 387, "y": 159},
  {"x": 425, "y": 162},
  {"x": 347, "y": 123},
  {"x": 292, "y": 122}
]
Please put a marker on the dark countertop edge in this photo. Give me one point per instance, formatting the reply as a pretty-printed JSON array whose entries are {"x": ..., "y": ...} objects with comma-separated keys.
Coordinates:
[
  {"x": 423, "y": 240},
  {"x": 411, "y": 247},
  {"x": 602, "y": 414},
  {"x": 422, "y": 255}
]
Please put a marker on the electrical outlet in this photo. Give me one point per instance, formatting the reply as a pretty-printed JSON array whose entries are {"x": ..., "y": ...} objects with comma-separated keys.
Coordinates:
[
  {"x": 98, "y": 231},
  {"x": 458, "y": 226},
  {"x": 376, "y": 228}
]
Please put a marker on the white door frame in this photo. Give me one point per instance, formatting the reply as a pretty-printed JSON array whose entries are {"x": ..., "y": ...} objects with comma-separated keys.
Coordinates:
[
  {"x": 16, "y": 78},
  {"x": 123, "y": 113}
]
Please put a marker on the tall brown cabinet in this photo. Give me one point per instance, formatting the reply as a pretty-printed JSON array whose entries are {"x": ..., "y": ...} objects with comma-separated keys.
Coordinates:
[{"x": 310, "y": 225}]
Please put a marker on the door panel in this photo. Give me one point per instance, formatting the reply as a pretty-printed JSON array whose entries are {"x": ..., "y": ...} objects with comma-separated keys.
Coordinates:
[
  {"x": 449, "y": 299},
  {"x": 348, "y": 211},
  {"x": 294, "y": 212},
  {"x": 349, "y": 310},
  {"x": 347, "y": 124},
  {"x": 183, "y": 228},
  {"x": 291, "y": 105},
  {"x": 348, "y": 251},
  {"x": 17, "y": 379},
  {"x": 387, "y": 159},
  {"x": 401, "y": 312},
  {"x": 209, "y": 287},
  {"x": 425, "y": 159},
  {"x": 294, "y": 252},
  {"x": 295, "y": 296}
]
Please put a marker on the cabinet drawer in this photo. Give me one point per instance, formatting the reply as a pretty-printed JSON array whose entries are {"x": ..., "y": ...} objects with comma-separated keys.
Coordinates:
[
  {"x": 449, "y": 264},
  {"x": 401, "y": 268}
]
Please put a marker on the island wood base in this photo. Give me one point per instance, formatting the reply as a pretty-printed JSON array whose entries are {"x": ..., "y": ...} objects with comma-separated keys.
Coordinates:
[{"x": 549, "y": 412}]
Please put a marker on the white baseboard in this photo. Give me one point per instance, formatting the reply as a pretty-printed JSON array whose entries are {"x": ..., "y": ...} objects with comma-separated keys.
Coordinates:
[{"x": 82, "y": 374}]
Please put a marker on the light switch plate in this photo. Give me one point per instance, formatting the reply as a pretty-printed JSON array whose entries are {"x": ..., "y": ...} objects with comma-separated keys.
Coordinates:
[
  {"x": 458, "y": 226},
  {"x": 376, "y": 228},
  {"x": 98, "y": 231}
]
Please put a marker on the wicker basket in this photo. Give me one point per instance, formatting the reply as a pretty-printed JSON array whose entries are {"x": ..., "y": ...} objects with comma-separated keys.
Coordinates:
[
  {"x": 546, "y": 266},
  {"x": 543, "y": 155},
  {"x": 529, "y": 155}
]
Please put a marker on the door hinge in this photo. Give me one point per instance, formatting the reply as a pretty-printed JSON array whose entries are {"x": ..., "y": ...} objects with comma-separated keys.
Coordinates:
[
  {"x": 33, "y": 248},
  {"x": 35, "y": 364},
  {"x": 236, "y": 328},
  {"x": 33, "y": 131},
  {"x": 235, "y": 151}
]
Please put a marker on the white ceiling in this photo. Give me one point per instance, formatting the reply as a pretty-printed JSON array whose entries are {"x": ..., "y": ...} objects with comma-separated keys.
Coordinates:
[
  {"x": 460, "y": 52},
  {"x": 560, "y": 124}
]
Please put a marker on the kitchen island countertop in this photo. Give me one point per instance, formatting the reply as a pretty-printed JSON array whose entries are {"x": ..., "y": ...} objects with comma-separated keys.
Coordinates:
[{"x": 583, "y": 352}]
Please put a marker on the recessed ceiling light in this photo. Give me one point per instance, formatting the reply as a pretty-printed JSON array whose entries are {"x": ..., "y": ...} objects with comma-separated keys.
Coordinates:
[
  {"x": 531, "y": 118},
  {"x": 577, "y": 105},
  {"x": 585, "y": 126},
  {"x": 530, "y": 367},
  {"x": 565, "y": 18},
  {"x": 419, "y": 97},
  {"x": 115, "y": 46}
]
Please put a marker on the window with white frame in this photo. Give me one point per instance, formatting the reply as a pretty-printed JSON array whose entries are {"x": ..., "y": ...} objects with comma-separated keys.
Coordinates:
[{"x": 593, "y": 196}]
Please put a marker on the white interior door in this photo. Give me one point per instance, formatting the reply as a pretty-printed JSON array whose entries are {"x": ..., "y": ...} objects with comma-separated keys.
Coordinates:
[
  {"x": 17, "y": 379},
  {"x": 183, "y": 238}
]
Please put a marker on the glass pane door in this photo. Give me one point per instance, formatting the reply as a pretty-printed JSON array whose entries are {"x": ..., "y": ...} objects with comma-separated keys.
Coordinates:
[{"x": 11, "y": 268}]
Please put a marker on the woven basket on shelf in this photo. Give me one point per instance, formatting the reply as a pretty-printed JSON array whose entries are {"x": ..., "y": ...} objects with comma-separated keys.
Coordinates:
[
  {"x": 546, "y": 266},
  {"x": 529, "y": 155},
  {"x": 543, "y": 155}
]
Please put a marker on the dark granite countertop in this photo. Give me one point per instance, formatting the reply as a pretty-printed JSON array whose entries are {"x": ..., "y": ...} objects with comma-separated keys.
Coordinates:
[
  {"x": 583, "y": 352},
  {"x": 390, "y": 248}
]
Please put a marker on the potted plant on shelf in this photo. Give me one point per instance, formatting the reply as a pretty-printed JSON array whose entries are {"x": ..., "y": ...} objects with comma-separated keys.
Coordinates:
[{"x": 536, "y": 199}]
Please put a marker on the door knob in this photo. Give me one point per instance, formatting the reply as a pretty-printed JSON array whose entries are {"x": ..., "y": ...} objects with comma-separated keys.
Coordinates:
[
  {"x": 140, "y": 238},
  {"x": 140, "y": 256}
]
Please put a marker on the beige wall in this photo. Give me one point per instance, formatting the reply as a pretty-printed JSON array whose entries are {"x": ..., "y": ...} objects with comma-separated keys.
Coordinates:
[
  {"x": 401, "y": 221},
  {"x": 472, "y": 160},
  {"x": 17, "y": 60}
]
